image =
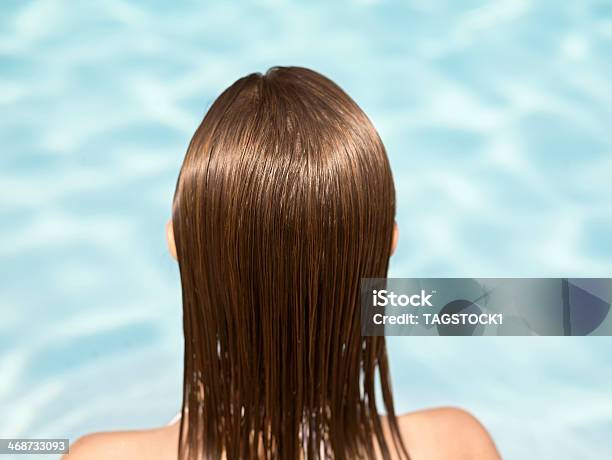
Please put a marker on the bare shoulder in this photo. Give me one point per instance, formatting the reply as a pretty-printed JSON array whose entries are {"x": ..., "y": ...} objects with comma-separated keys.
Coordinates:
[
  {"x": 159, "y": 443},
  {"x": 446, "y": 433}
]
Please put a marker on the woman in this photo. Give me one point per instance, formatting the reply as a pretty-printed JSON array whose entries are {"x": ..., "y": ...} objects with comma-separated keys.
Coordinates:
[{"x": 284, "y": 202}]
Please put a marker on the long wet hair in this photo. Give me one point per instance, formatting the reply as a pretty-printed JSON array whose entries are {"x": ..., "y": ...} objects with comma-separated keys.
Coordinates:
[{"x": 285, "y": 200}]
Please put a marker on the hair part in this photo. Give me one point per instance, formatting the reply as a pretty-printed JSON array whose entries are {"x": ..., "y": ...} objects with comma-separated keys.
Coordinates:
[{"x": 285, "y": 200}]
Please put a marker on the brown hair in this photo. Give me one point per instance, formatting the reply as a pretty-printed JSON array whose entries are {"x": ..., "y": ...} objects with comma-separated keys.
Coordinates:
[{"x": 284, "y": 202}]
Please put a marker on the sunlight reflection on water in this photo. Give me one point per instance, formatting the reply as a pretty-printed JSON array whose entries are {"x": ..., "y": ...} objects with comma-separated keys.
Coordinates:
[{"x": 496, "y": 117}]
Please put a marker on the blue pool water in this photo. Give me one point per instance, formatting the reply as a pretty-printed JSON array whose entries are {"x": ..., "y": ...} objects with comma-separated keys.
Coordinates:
[{"x": 496, "y": 116}]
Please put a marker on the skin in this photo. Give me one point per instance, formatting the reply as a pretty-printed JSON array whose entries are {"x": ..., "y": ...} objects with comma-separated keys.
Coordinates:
[{"x": 435, "y": 434}]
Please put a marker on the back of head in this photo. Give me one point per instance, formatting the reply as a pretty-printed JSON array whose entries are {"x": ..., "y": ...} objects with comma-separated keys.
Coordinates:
[{"x": 284, "y": 202}]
